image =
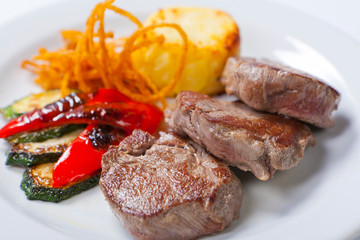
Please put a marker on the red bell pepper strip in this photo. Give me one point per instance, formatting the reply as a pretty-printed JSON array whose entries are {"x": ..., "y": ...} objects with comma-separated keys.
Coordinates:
[
  {"x": 128, "y": 115},
  {"x": 83, "y": 156},
  {"x": 20, "y": 124},
  {"x": 44, "y": 114}
]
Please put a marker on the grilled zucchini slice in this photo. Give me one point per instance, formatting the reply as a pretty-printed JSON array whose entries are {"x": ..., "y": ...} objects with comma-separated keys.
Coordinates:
[
  {"x": 37, "y": 184},
  {"x": 45, "y": 134},
  {"x": 31, "y": 102},
  {"x": 29, "y": 154}
]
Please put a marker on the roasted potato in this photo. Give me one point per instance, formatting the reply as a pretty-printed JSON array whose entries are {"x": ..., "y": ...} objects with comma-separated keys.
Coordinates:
[{"x": 213, "y": 37}]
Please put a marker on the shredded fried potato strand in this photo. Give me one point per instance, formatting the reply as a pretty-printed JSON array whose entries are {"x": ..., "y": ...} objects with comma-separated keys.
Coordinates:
[{"x": 93, "y": 59}]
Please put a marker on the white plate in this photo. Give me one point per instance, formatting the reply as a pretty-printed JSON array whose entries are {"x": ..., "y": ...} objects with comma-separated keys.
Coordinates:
[{"x": 317, "y": 200}]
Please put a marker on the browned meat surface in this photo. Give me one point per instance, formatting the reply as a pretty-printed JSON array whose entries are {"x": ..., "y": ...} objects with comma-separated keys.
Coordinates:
[
  {"x": 275, "y": 88},
  {"x": 169, "y": 188},
  {"x": 250, "y": 140}
]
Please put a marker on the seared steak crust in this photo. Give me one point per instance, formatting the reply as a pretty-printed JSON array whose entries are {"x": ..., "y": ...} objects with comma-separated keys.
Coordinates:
[
  {"x": 275, "y": 88},
  {"x": 252, "y": 141},
  {"x": 169, "y": 189}
]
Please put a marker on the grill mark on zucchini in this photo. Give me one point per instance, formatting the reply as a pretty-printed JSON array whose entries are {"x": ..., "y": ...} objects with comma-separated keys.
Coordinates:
[
  {"x": 37, "y": 184},
  {"x": 29, "y": 154}
]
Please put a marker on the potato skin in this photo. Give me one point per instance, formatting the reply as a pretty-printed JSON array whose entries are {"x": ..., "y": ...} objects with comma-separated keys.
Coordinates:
[{"x": 213, "y": 37}]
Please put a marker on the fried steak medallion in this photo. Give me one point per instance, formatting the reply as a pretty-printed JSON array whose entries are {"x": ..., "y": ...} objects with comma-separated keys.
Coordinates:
[
  {"x": 252, "y": 141},
  {"x": 169, "y": 188}
]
